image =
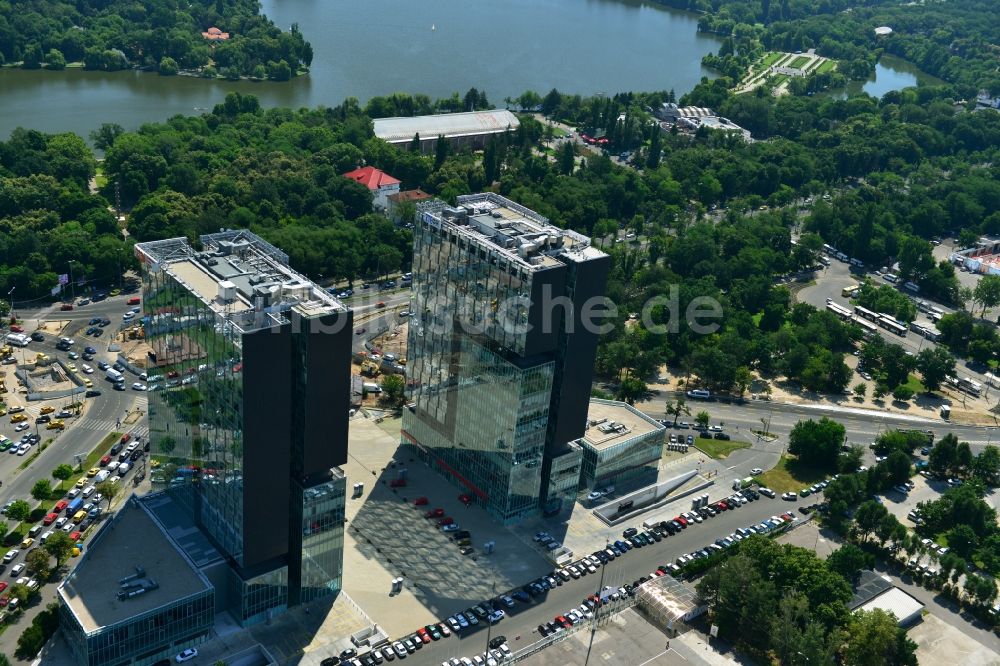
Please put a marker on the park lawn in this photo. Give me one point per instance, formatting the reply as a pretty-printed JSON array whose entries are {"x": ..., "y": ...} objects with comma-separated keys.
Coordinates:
[
  {"x": 799, "y": 61},
  {"x": 915, "y": 385},
  {"x": 771, "y": 58},
  {"x": 718, "y": 448},
  {"x": 558, "y": 131},
  {"x": 826, "y": 66},
  {"x": 790, "y": 476}
]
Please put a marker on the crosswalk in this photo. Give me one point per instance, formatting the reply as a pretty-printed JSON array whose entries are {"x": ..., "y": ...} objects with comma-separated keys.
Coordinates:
[{"x": 140, "y": 429}]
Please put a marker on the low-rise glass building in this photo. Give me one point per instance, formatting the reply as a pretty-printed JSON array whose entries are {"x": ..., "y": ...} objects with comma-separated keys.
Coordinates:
[
  {"x": 621, "y": 445},
  {"x": 134, "y": 597}
]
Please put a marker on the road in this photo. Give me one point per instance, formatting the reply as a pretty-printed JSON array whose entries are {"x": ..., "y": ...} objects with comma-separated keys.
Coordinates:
[
  {"x": 834, "y": 278},
  {"x": 524, "y": 618},
  {"x": 98, "y": 419}
]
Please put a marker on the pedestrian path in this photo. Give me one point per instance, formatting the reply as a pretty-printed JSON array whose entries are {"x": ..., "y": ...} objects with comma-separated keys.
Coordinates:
[{"x": 110, "y": 425}]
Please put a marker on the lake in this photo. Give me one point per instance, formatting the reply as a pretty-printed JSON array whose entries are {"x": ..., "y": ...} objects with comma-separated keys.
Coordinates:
[
  {"x": 892, "y": 73},
  {"x": 363, "y": 49}
]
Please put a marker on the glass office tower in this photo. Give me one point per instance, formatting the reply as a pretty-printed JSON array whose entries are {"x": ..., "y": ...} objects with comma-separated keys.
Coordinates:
[
  {"x": 495, "y": 341},
  {"x": 248, "y": 363}
]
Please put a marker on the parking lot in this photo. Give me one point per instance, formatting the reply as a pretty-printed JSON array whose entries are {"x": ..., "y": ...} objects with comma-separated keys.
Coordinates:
[{"x": 387, "y": 536}]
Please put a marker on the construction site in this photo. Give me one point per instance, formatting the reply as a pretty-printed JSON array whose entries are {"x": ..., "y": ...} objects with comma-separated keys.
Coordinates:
[{"x": 380, "y": 351}]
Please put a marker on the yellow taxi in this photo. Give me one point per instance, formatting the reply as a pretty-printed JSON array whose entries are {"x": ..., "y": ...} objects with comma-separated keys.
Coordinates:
[
  {"x": 81, "y": 483},
  {"x": 56, "y": 425},
  {"x": 46, "y": 410},
  {"x": 92, "y": 472},
  {"x": 27, "y": 543},
  {"x": 17, "y": 418}
]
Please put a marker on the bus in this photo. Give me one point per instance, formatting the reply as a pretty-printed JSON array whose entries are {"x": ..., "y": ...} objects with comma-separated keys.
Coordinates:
[
  {"x": 870, "y": 328},
  {"x": 892, "y": 325},
  {"x": 970, "y": 386},
  {"x": 865, "y": 313},
  {"x": 74, "y": 506},
  {"x": 838, "y": 310},
  {"x": 848, "y": 292},
  {"x": 829, "y": 249}
]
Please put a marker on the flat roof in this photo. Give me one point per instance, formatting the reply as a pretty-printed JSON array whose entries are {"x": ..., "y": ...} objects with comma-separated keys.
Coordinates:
[
  {"x": 869, "y": 586},
  {"x": 508, "y": 229},
  {"x": 132, "y": 539},
  {"x": 610, "y": 423},
  {"x": 239, "y": 276},
  {"x": 449, "y": 125},
  {"x": 905, "y": 607}
]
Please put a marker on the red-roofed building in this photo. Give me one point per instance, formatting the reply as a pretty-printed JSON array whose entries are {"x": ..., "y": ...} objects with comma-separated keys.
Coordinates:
[
  {"x": 215, "y": 34},
  {"x": 379, "y": 183}
]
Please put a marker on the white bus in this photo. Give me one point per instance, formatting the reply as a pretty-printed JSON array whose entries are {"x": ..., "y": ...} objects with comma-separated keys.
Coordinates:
[{"x": 18, "y": 339}]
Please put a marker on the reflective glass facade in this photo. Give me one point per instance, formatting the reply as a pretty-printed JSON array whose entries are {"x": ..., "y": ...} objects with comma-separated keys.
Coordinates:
[
  {"x": 622, "y": 459},
  {"x": 146, "y": 638},
  {"x": 483, "y": 357},
  {"x": 247, "y": 360}
]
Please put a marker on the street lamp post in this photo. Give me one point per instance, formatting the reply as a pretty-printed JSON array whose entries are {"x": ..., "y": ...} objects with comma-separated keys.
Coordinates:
[{"x": 10, "y": 295}]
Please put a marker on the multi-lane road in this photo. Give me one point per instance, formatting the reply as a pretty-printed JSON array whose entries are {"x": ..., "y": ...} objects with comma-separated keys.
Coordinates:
[
  {"x": 519, "y": 627},
  {"x": 101, "y": 414}
]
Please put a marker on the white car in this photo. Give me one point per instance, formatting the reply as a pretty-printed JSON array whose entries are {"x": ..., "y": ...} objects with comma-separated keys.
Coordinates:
[
  {"x": 138, "y": 386},
  {"x": 128, "y": 316},
  {"x": 186, "y": 655},
  {"x": 18, "y": 568},
  {"x": 87, "y": 369},
  {"x": 20, "y": 427},
  {"x": 755, "y": 471}
]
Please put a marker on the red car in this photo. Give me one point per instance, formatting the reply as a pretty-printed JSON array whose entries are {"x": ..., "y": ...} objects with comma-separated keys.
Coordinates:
[
  {"x": 60, "y": 506},
  {"x": 380, "y": 304},
  {"x": 4, "y": 600},
  {"x": 425, "y": 637},
  {"x": 3, "y": 586},
  {"x": 435, "y": 513},
  {"x": 682, "y": 520},
  {"x": 50, "y": 518},
  {"x": 75, "y": 536},
  {"x": 465, "y": 499},
  {"x": 173, "y": 374},
  {"x": 14, "y": 328},
  {"x": 722, "y": 505},
  {"x": 561, "y": 619},
  {"x": 126, "y": 437},
  {"x": 66, "y": 306},
  {"x": 447, "y": 520},
  {"x": 397, "y": 483},
  {"x": 134, "y": 300},
  {"x": 105, "y": 460},
  {"x": 420, "y": 501}
]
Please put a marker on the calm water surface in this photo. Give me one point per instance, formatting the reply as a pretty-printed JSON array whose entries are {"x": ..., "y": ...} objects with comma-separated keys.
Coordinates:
[
  {"x": 376, "y": 47},
  {"x": 892, "y": 73}
]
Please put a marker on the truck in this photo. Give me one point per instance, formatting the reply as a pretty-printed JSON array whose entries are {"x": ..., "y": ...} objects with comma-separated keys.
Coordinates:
[
  {"x": 74, "y": 506},
  {"x": 372, "y": 388},
  {"x": 102, "y": 476},
  {"x": 114, "y": 376}
]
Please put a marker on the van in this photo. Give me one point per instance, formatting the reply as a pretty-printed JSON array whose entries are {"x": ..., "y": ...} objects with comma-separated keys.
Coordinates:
[
  {"x": 35, "y": 531},
  {"x": 372, "y": 388},
  {"x": 79, "y": 516},
  {"x": 73, "y": 492},
  {"x": 102, "y": 476},
  {"x": 699, "y": 394},
  {"x": 124, "y": 468},
  {"x": 88, "y": 491}
]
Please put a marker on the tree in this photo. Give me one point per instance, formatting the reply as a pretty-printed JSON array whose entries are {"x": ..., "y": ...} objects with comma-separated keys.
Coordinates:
[
  {"x": 167, "y": 444},
  {"x": 897, "y": 467},
  {"x": 963, "y": 540},
  {"x": 631, "y": 388},
  {"x": 32, "y": 58},
  {"x": 62, "y": 473},
  {"x": 743, "y": 379},
  {"x": 934, "y": 364},
  {"x": 860, "y": 389},
  {"x": 393, "y": 389},
  {"x": 817, "y": 443},
  {"x": 702, "y": 418},
  {"x": 677, "y": 408},
  {"x": 104, "y": 137},
  {"x": 108, "y": 490},
  {"x": 868, "y": 516},
  {"x": 37, "y": 560},
  {"x": 42, "y": 490},
  {"x": 19, "y": 511},
  {"x": 902, "y": 393},
  {"x": 986, "y": 466},
  {"x": 441, "y": 150},
  {"x": 849, "y": 560},
  {"x": 567, "y": 158},
  {"x": 875, "y": 639},
  {"x": 168, "y": 67},
  {"x": 55, "y": 60},
  {"x": 987, "y": 292},
  {"x": 59, "y": 546},
  {"x": 880, "y": 390}
]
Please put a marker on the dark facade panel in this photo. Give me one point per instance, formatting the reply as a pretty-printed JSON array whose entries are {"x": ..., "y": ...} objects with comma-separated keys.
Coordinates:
[
  {"x": 548, "y": 308},
  {"x": 267, "y": 445},
  {"x": 576, "y": 356},
  {"x": 328, "y": 394}
]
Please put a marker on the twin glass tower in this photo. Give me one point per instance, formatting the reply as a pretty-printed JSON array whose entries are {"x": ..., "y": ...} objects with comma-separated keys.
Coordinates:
[{"x": 502, "y": 341}]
